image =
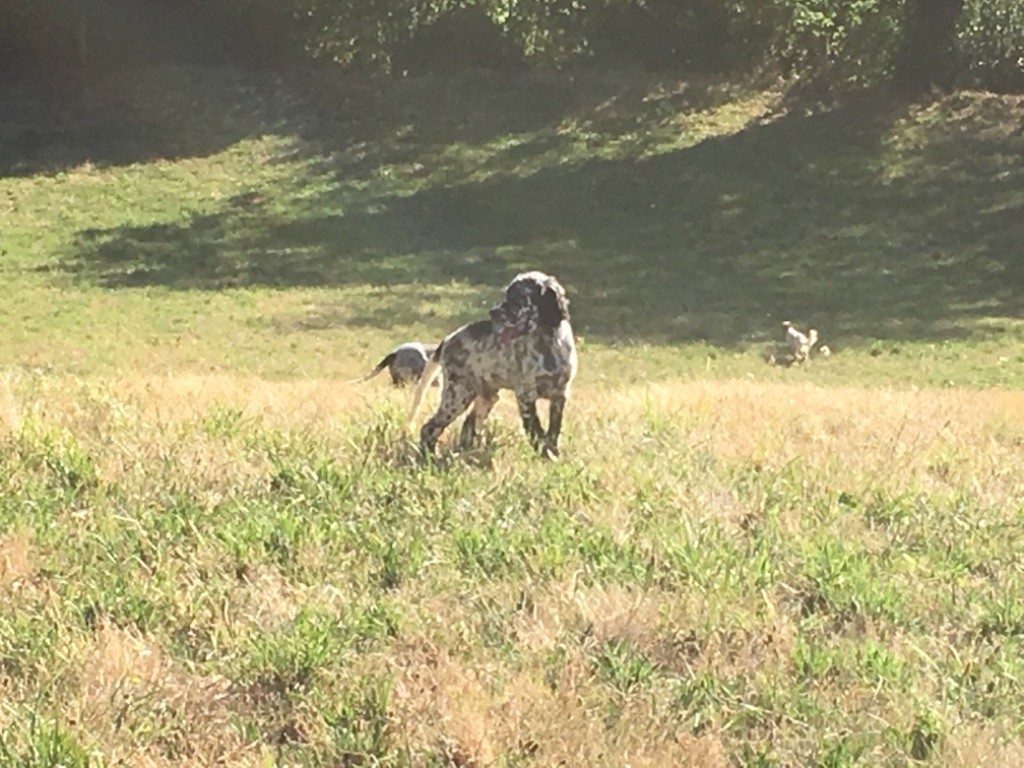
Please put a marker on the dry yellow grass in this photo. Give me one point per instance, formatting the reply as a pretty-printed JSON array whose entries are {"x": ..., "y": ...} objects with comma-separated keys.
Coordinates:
[
  {"x": 15, "y": 558},
  {"x": 546, "y": 658},
  {"x": 138, "y": 707},
  {"x": 772, "y": 423},
  {"x": 981, "y": 747}
]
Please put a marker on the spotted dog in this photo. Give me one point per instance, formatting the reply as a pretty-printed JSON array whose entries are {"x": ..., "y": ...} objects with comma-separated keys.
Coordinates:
[
  {"x": 405, "y": 363},
  {"x": 526, "y": 346}
]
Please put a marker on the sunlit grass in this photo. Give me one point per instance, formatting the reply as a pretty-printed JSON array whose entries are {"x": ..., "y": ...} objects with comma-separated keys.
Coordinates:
[
  {"x": 687, "y": 219},
  {"x": 200, "y": 568},
  {"x": 213, "y": 549}
]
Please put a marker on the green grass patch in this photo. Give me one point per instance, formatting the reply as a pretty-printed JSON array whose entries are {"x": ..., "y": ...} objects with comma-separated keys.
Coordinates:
[
  {"x": 319, "y": 225},
  {"x": 212, "y": 549}
]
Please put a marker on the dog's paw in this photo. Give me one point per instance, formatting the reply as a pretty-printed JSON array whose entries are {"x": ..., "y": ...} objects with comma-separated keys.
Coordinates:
[{"x": 549, "y": 452}]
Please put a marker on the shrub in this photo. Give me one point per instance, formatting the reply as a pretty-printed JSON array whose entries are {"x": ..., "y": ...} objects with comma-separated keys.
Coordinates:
[{"x": 991, "y": 44}]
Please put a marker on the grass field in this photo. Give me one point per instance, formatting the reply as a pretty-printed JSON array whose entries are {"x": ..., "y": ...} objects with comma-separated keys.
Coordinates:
[{"x": 215, "y": 551}]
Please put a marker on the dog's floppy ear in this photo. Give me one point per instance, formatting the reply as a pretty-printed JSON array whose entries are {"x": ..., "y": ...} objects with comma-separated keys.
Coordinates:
[{"x": 552, "y": 305}]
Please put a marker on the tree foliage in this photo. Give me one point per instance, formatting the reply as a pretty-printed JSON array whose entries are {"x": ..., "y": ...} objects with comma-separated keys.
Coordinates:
[
  {"x": 991, "y": 44},
  {"x": 846, "y": 42},
  {"x": 927, "y": 52}
]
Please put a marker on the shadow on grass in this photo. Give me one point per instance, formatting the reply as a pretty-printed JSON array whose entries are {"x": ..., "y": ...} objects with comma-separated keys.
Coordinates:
[
  {"x": 876, "y": 220},
  {"x": 144, "y": 91}
]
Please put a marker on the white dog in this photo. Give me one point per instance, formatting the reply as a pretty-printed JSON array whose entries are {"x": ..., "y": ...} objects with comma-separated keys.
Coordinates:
[{"x": 800, "y": 344}]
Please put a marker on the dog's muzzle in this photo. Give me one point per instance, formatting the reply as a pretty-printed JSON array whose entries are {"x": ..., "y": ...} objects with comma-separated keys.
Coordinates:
[{"x": 511, "y": 328}]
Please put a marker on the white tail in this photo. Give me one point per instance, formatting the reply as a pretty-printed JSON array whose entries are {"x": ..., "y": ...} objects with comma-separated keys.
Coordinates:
[{"x": 430, "y": 372}]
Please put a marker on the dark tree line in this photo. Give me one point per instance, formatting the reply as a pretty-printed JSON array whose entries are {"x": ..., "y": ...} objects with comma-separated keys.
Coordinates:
[
  {"x": 917, "y": 43},
  {"x": 927, "y": 54}
]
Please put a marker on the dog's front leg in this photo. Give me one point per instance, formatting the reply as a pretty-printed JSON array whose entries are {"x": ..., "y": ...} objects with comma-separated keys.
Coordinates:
[
  {"x": 527, "y": 400},
  {"x": 550, "y": 449}
]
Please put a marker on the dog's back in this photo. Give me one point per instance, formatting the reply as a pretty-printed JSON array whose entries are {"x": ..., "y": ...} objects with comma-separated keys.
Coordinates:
[{"x": 478, "y": 357}]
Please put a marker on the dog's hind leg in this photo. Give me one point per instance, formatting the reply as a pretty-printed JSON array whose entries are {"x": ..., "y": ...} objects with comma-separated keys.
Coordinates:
[
  {"x": 455, "y": 399},
  {"x": 474, "y": 423}
]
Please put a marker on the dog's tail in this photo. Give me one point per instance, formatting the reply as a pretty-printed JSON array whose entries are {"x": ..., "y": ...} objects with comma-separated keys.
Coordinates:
[
  {"x": 430, "y": 372},
  {"x": 388, "y": 360}
]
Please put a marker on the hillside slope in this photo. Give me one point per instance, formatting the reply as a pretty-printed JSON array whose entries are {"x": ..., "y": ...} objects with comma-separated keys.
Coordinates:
[{"x": 682, "y": 215}]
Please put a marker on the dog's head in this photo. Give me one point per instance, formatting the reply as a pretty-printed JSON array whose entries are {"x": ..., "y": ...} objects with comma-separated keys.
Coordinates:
[{"x": 532, "y": 300}]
